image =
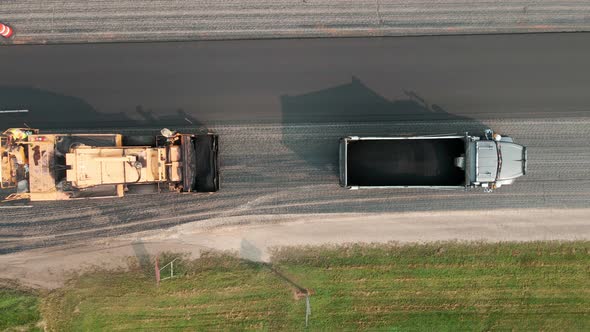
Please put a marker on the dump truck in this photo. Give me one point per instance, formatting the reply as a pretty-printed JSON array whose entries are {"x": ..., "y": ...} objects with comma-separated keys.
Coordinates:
[
  {"x": 47, "y": 167},
  {"x": 437, "y": 162}
]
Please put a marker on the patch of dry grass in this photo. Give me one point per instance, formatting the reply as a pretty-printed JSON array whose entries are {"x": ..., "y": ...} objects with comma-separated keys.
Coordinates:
[{"x": 441, "y": 286}]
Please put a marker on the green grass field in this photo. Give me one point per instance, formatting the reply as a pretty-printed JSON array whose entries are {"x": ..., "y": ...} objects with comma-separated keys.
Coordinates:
[
  {"x": 441, "y": 287},
  {"x": 18, "y": 310}
]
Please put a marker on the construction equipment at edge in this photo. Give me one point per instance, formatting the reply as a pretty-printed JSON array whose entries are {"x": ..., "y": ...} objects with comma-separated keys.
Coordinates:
[{"x": 47, "y": 167}]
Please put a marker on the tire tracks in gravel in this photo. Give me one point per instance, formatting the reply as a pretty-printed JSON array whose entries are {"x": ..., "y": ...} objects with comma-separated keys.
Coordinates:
[{"x": 273, "y": 169}]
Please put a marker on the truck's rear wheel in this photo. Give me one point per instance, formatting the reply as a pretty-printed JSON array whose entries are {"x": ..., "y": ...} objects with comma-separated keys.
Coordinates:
[
  {"x": 142, "y": 189},
  {"x": 139, "y": 140}
]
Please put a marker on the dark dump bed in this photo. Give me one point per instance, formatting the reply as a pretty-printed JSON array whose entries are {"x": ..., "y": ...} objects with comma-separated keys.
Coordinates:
[{"x": 423, "y": 162}]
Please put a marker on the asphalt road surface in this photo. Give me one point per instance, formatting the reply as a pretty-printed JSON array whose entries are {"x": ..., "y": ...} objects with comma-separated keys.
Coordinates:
[{"x": 280, "y": 106}]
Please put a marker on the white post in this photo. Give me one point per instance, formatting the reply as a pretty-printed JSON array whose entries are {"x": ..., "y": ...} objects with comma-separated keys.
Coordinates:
[{"x": 307, "y": 310}]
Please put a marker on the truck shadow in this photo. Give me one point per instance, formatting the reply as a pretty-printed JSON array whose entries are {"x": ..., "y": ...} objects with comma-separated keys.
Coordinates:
[
  {"x": 50, "y": 110},
  {"x": 355, "y": 109}
]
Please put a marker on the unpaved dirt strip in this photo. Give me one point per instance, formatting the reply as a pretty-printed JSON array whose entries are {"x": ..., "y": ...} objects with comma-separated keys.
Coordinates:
[
  {"x": 50, "y": 267},
  {"x": 277, "y": 170},
  {"x": 42, "y": 21}
]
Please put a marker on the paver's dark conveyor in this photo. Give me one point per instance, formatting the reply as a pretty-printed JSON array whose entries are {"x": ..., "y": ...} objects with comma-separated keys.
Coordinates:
[{"x": 205, "y": 177}]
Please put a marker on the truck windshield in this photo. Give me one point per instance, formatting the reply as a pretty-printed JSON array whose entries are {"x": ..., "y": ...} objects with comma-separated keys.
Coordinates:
[
  {"x": 487, "y": 161},
  {"x": 499, "y": 149}
]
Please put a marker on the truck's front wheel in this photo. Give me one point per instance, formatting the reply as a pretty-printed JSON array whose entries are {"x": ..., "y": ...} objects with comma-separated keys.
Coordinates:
[{"x": 139, "y": 140}]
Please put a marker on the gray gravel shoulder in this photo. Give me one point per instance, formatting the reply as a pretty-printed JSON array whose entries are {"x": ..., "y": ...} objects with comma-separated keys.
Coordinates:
[
  {"x": 76, "y": 21},
  {"x": 276, "y": 170}
]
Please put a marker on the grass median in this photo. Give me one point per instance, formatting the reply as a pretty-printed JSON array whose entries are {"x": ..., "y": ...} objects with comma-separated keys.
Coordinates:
[{"x": 440, "y": 286}]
